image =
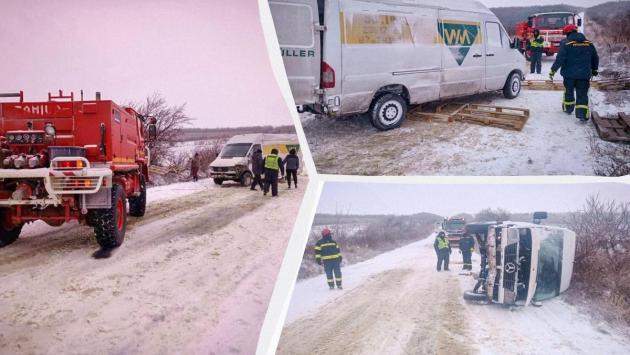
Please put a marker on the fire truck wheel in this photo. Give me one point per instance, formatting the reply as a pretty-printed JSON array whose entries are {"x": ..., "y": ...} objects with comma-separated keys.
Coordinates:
[
  {"x": 246, "y": 179},
  {"x": 9, "y": 233},
  {"x": 138, "y": 205},
  {"x": 549, "y": 54},
  {"x": 512, "y": 86},
  {"x": 218, "y": 181},
  {"x": 388, "y": 112},
  {"x": 110, "y": 224},
  {"x": 475, "y": 297}
]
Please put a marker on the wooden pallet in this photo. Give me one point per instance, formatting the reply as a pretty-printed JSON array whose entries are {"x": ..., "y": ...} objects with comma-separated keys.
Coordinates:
[
  {"x": 495, "y": 116},
  {"x": 603, "y": 84},
  {"x": 543, "y": 85},
  {"x": 613, "y": 129},
  {"x": 612, "y": 84}
]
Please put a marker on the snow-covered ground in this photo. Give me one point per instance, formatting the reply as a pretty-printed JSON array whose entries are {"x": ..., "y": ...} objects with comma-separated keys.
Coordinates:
[
  {"x": 396, "y": 303},
  {"x": 193, "y": 276},
  {"x": 551, "y": 143}
]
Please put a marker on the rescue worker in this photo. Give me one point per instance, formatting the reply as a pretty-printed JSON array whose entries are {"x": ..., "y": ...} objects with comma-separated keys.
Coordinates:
[
  {"x": 273, "y": 164},
  {"x": 466, "y": 247},
  {"x": 536, "y": 46},
  {"x": 194, "y": 167},
  {"x": 579, "y": 62},
  {"x": 327, "y": 253},
  {"x": 257, "y": 169},
  {"x": 292, "y": 164},
  {"x": 442, "y": 248}
]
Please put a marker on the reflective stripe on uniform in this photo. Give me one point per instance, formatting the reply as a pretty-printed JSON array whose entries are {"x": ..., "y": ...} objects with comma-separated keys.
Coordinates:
[
  {"x": 442, "y": 243},
  {"x": 318, "y": 255},
  {"x": 318, "y": 248},
  {"x": 330, "y": 257},
  {"x": 584, "y": 107},
  {"x": 271, "y": 162},
  {"x": 328, "y": 245},
  {"x": 536, "y": 44}
]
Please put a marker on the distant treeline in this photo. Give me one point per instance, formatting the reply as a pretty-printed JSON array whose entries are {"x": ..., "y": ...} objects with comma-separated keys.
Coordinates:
[{"x": 194, "y": 134}]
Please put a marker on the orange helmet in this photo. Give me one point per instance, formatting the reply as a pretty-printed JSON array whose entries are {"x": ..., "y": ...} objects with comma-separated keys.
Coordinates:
[
  {"x": 569, "y": 28},
  {"x": 325, "y": 232}
]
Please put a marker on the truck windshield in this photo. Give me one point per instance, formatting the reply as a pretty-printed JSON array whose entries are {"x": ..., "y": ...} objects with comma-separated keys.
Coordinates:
[
  {"x": 549, "y": 267},
  {"x": 553, "y": 21},
  {"x": 235, "y": 150},
  {"x": 454, "y": 225}
]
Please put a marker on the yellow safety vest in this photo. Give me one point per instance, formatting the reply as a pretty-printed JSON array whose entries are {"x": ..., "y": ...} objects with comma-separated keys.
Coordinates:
[
  {"x": 443, "y": 243},
  {"x": 535, "y": 44},
  {"x": 271, "y": 162}
]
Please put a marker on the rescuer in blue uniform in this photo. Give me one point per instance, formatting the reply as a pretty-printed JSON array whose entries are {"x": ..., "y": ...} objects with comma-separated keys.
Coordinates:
[
  {"x": 273, "y": 164},
  {"x": 327, "y": 252},
  {"x": 466, "y": 247},
  {"x": 536, "y": 46},
  {"x": 579, "y": 62},
  {"x": 443, "y": 250}
]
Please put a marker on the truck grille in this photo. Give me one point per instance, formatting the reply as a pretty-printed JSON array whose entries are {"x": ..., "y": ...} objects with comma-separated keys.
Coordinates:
[
  {"x": 220, "y": 169},
  {"x": 510, "y": 267},
  {"x": 75, "y": 184}
]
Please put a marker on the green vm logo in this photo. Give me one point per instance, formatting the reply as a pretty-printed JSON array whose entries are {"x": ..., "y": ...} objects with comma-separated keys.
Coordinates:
[{"x": 459, "y": 36}]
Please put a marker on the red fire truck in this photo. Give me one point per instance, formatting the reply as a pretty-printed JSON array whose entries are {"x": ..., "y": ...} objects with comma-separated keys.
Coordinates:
[
  {"x": 63, "y": 160},
  {"x": 550, "y": 25}
]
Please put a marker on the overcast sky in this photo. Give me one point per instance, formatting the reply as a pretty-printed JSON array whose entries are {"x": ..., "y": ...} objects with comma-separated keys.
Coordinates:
[
  {"x": 506, "y": 3},
  {"x": 208, "y": 53},
  {"x": 447, "y": 200}
]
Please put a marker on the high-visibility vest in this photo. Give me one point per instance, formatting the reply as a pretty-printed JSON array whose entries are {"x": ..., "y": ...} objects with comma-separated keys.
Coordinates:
[
  {"x": 535, "y": 44},
  {"x": 271, "y": 162},
  {"x": 443, "y": 243}
]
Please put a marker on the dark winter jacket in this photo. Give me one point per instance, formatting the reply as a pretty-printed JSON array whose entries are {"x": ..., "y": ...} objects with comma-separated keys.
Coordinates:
[
  {"x": 327, "y": 250},
  {"x": 280, "y": 165},
  {"x": 292, "y": 162},
  {"x": 466, "y": 244},
  {"x": 437, "y": 243},
  {"x": 537, "y": 45},
  {"x": 257, "y": 163},
  {"x": 577, "y": 57}
]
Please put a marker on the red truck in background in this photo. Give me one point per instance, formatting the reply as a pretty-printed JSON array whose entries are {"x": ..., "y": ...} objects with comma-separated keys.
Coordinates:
[
  {"x": 550, "y": 25},
  {"x": 63, "y": 160},
  {"x": 454, "y": 229}
]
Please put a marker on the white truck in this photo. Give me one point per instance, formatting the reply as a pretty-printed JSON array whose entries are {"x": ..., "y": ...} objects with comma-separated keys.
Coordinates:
[
  {"x": 345, "y": 57},
  {"x": 521, "y": 263},
  {"x": 235, "y": 160}
]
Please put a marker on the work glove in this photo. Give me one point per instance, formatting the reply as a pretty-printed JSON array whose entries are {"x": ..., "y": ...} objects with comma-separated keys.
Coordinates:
[
  {"x": 595, "y": 72},
  {"x": 552, "y": 74}
]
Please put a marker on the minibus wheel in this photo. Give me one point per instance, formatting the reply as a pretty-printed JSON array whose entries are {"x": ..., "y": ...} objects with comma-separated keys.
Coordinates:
[
  {"x": 512, "y": 86},
  {"x": 388, "y": 112}
]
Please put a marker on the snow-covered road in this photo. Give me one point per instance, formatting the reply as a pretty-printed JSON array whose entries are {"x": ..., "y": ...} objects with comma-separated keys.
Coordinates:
[
  {"x": 551, "y": 143},
  {"x": 396, "y": 303},
  {"x": 193, "y": 276}
]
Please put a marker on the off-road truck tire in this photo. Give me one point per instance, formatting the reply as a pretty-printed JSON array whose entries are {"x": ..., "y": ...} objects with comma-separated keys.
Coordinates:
[
  {"x": 110, "y": 223},
  {"x": 8, "y": 233},
  {"x": 138, "y": 204}
]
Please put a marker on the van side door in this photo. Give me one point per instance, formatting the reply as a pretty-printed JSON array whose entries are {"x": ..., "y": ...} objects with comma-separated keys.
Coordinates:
[
  {"x": 497, "y": 54},
  {"x": 463, "y": 66},
  {"x": 299, "y": 35}
]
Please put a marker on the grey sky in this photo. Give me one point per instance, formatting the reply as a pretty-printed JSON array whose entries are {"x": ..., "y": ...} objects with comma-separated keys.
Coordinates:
[
  {"x": 507, "y": 3},
  {"x": 445, "y": 200}
]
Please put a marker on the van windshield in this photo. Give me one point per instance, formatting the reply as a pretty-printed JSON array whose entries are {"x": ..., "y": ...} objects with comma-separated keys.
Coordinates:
[
  {"x": 549, "y": 267},
  {"x": 554, "y": 21},
  {"x": 235, "y": 150}
]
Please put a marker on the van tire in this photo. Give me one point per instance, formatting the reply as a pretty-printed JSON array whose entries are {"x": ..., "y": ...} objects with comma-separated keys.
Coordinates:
[
  {"x": 218, "y": 181},
  {"x": 475, "y": 297},
  {"x": 246, "y": 179},
  {"x": 388, "y": 112},
  {"x": 110, "y": 224},
  {"x": 138, "y": 204},
  {"x": 512, "y": 86}
]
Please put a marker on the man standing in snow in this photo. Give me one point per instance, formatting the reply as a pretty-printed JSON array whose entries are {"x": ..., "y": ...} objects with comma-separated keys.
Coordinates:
[
  {"x": 292, "y": 164},
  {"x": 327, "y": 252},
  {"x": 257, "y": 169},
  {"x": 442, "y": 248},
  {"x": 536, "y": 46},
  {"x": 579, "y": 62},
  {"x": 273, "y": 164},
  {"x": 194, "y": 167},
  {"x": 466, "y": 246}
]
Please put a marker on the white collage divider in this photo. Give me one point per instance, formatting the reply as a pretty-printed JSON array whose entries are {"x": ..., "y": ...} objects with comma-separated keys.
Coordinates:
[{"x": 285, "y": 284}]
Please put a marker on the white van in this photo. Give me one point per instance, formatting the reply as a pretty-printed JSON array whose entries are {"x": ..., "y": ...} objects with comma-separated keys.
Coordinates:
[
  {"x": 234, "y": 162},
  {"x": 521, "y": 263},
  {"x": 346, "y": 57}
]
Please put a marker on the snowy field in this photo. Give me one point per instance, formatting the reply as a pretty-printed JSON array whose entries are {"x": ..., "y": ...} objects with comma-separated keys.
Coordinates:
[
  {"x": 551, "y": 143},
  {"x": 194, "y": 276},
  {"x": 396, "y": 303}
]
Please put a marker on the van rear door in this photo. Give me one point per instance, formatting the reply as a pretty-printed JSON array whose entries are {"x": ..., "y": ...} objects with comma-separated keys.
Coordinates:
[
  {"x": 298, "y": 31},
  {"x": 463, "y": 63}
]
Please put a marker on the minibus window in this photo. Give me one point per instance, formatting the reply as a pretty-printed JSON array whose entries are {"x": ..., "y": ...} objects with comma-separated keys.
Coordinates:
[
  {"x": 296, "y": 29},
  {"x": 493, "y": 30},
  {"x": 236, "y": 150}
]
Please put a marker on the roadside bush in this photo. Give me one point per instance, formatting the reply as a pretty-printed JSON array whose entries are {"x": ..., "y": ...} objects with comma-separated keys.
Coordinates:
[
  {"x": 489, "y": 215},
  {"x": 602, "y": 257},
  {"x": 610, "y": 159}
]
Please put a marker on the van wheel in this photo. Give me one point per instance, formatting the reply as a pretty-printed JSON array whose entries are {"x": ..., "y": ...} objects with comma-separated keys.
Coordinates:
[
  {"x": 475, "y": 297},
  {"x": 512, "y": 86},
  {"x": 388, "y": 112},
  {"x": 9, "y": 232},
  {"x": 549, "y": 54},
  {"x": 138, "y": 205},
  {"x": 246, "y": 179},
  {"x": 218, "y": 181},
  {"x": 110, "y": 224}
]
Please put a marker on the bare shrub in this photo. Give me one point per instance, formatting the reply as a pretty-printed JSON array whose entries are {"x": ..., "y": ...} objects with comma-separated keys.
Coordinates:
[
  {"x": 610, "y": 159},
  {"x": 602, "y": 257},
  {"x": 489, "y": 214}
]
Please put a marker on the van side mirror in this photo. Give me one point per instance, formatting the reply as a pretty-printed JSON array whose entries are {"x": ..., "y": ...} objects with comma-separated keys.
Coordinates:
[
  {"x": 539, "y": 216},
  {"x": 151, "y": 132},
  {"x": 579, "y": 22}
]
